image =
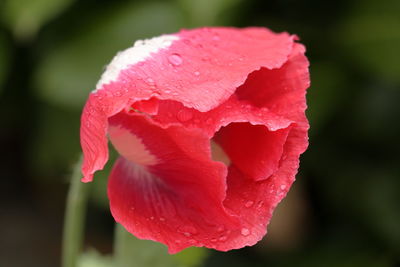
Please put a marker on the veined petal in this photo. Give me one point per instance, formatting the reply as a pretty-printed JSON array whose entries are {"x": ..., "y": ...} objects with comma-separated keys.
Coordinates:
[
  {"x": 239, "y": 91},
  {"x": 174, "y": 186},
  {"x": 198, "y": 68}
]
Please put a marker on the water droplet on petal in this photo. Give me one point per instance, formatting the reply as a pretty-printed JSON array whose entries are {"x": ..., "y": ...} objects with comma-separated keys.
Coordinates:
[
  {"x": 187, "y": 234},
  {"x": 216, "y": 37},
  {"x": 213, "y": 240},
  {"x": 220, "y": 228},
  {"x": 150, "y": 81},
  {"x": 222, "y": 238},
  {"x": 162, "y": 219},
  {"x": 184, "y": 115},
  {"x": 197, "y": 73},
  {"x": 248, "y": 204},
  {"x": 151, "y": 218},
  {"x": 283, "y": 186},
  {"x": 175, "y": 59},
  {"x": 245, "y": 231}
]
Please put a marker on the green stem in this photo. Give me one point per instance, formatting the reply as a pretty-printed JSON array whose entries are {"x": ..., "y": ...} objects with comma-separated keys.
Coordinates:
[{"x": 74, "y": 219}]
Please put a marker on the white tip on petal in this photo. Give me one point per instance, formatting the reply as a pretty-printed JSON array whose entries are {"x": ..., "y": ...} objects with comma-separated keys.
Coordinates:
[{"x": 140, "y": 51}]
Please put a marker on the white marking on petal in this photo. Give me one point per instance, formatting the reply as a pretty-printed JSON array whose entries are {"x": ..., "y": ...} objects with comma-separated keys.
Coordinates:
[
  {"x": 130, "y": 146},
  {"x": 140, "y": 51}
]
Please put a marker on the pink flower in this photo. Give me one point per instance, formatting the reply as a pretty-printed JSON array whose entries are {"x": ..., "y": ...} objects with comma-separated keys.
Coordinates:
[{"x": 163, "y": 102}]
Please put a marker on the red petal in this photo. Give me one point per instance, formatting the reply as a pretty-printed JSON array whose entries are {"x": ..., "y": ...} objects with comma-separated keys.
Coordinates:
[
  {"x": 253, "y": 149},
  {"x": 254, "y": 202},
  {"x": 178, "y": 98},
  {"x": 283, "y": 90},
  {"x": 175, "y": 199},
  {"x": 201, "y": 69}
]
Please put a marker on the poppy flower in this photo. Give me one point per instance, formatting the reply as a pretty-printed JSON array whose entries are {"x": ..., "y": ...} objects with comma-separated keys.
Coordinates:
[{"x": 209, "y": 125}]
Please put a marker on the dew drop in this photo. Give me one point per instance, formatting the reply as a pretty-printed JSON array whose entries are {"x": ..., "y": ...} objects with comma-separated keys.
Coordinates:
[
  {"x": 213, "y": 240},
  {"x": 151, "y": 218},
  {"x": 222, "y": 238},
  {"x": 175, "y": 59},
  {"x": 150, "y": 81},
  {"x": 245, "y": 231},
  {"x": 248, "y": 204},
  {"x": 177, "y": 241},
  {"x": 220, "y": 228},
  {"x": 283, "y": 186},
  {"x": 197, "y": 73},
  {"x": 260, "y": 204},
  {"x": 184, "y": 115},
  {"x": 187, "y": 230},
  {"x": 162, "y": 219}
]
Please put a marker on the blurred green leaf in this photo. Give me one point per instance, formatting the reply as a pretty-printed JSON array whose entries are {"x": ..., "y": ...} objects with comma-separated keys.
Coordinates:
[
  {"x": 71, "y": 71},
  {"x": 208, "y": 12},
  {"x": 25, "y": 17},
  {"x": 371, "y": 36},
  {"x": 192, "y": 257},
  {"x": 140, "y": 253},
  {"x": 92, "y": 258}
]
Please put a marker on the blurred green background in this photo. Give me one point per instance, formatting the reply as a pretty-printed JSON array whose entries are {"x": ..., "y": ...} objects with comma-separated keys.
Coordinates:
[{"x": 342, "y": 211}]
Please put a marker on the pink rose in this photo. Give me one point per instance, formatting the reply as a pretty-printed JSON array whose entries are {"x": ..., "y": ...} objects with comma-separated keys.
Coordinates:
[{"x": 163, "y": 102}]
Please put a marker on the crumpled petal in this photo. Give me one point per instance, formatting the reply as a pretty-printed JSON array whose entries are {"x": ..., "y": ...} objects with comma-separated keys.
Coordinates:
[
  {"x": 243, "y": 91},
  {"x": 178, "y": 192},
  {"x": 200, "y": 69}
]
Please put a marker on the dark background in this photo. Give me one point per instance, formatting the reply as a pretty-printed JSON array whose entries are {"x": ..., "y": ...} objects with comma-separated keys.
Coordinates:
[{"x": 342, "y": 211}]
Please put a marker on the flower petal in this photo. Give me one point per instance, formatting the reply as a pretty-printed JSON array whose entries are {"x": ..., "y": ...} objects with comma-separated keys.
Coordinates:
[
  {"x": 198, "y": 68},
  {"x": 254, "y": 201},
  {"x": 177, "y": 196},
  {"x": 280, "y": 90},
  {"x": 163, "y": 110},
  {"x": 254, "y": 150}
]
